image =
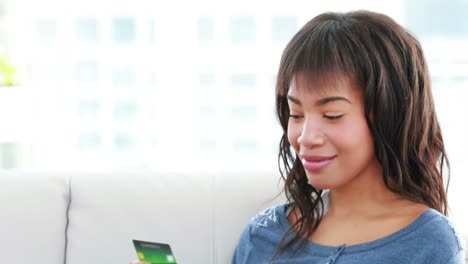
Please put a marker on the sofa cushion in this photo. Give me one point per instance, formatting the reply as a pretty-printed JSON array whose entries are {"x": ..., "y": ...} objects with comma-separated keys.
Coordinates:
[
  {"x": 33, "y": 218},
  {"x": 108, "y": 211},
  {"x": 200, "y": 216}
]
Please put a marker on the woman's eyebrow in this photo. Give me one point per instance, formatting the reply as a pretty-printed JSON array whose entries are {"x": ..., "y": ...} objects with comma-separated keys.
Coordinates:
[
  {"x": 331, "y": 99},
  {"x": 321, "y": 101},
  {"x": 294, "y": 100}
]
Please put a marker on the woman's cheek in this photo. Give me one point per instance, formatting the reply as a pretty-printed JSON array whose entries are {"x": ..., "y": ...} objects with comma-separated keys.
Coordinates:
[{"x": 294, "y": 132}]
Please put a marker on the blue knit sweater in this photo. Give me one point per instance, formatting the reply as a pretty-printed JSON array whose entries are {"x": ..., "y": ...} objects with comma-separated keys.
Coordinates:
[{"x": 431, "y": 238}]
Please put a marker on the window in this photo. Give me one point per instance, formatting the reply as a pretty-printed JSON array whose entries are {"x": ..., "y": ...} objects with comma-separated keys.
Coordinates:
[
  {"x": 207, "y": 112},
  {"x": 242, "y": 81},
  {"x": 244, "y": 113},
  {"x": 207, "y": 76},
  {"x": 243, "y": 30},
  {"x": 89, "y": 141},
  {"x": 87, "y": 30},
  {"x": 152, "y": 29},
  {"x": 9, "y": 155},
  {"x": 46, "y": 29},
  {"x": 123, "y": 77},
  {"x": 283, "y": 29},
  {"x": 123, "y": 142},
  {"x": 244, "y": 146},
  {"x": 123, "y": 31},
  {"x": 206, "y": 29},
  {"x": 152, "y": 79},
  {"x": 125, "y": 111},
  {"x": 207, "y": 80},
  {"x": 87, "y": 73},
  {"x": 207, "y": 144},
  {"x": 89, "y": 108},
  {"x": 437, "y": 18}
]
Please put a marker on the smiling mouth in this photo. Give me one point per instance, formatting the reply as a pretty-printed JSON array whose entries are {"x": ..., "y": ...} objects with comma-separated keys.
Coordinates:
[{"x": 316, "y": 163}]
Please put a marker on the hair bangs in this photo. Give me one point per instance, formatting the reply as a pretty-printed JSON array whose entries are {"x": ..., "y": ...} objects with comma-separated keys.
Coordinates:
[{"x": 324, "y": 57}]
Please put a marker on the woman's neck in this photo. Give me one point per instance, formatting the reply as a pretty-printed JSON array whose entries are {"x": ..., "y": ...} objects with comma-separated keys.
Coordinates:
[{"x": 365, "y": 196}]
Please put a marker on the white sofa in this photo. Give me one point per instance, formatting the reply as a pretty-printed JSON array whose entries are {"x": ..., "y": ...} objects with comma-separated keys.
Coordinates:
[{"x": 92, "y": 219}]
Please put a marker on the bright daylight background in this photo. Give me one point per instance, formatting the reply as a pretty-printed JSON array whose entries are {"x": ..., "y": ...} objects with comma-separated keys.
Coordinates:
[{"x": 185, "y": 86}]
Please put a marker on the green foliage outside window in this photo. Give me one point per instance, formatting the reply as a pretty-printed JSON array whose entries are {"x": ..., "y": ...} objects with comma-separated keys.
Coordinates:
[{"x": 7, "y": 72}]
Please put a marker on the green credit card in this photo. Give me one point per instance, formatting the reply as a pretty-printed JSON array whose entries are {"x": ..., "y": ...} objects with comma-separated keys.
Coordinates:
[{"x": 155, "y": 253}]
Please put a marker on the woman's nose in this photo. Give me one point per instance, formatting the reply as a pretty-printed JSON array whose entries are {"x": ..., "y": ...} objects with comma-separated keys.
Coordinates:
[{"x": 311, "y": 134}]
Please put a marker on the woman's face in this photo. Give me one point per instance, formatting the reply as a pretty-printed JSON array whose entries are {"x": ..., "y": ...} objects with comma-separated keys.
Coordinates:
[{"x": 328, "y": 130}]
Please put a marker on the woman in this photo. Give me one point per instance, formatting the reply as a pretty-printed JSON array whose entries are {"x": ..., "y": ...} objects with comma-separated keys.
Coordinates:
[{"x": 362, "y": 153}]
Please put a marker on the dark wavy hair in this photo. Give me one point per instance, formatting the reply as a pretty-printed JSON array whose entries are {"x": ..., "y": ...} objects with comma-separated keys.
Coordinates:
[{"x": 388, "y": 64}]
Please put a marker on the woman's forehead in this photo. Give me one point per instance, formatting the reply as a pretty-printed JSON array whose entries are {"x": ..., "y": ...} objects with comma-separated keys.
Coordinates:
[{"x": 323, "y": 84}]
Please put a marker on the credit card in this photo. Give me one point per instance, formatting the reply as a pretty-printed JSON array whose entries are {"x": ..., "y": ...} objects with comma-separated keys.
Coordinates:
[{"x": 155, "y": 253}]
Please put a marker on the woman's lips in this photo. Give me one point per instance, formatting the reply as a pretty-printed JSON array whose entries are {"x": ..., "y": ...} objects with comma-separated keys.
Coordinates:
[{"x": 316, "y": 163}]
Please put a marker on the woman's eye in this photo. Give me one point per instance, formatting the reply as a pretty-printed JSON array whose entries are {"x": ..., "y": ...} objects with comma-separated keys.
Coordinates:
[
  {"x": 332, "y": 117},
  {"x": 295, "y": 116}
]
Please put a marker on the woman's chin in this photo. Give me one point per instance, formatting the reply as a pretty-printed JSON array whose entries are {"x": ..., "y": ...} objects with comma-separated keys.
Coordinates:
[
  {"x": 320, "y": 185},
  {"x": 320, "y": 182}
]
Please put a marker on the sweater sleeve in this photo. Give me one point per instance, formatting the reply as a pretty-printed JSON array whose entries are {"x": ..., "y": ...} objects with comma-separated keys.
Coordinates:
[{"x": 459, "y": 258}]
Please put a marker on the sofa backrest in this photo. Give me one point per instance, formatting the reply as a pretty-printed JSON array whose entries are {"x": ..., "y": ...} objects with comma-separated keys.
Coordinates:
[
  {"x": 33, "y": 209},
  {"x": 92, "y": 218},
  {"x": 200, "y": 216}
]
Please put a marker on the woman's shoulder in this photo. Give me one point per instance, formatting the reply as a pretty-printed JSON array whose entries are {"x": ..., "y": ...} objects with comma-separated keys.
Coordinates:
[
  {"x": 269, "y": 218},
  {"x": 438, "y": 233},
  {"x": 435, "y": 224},
  {"x": 260, "y": 237}
]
